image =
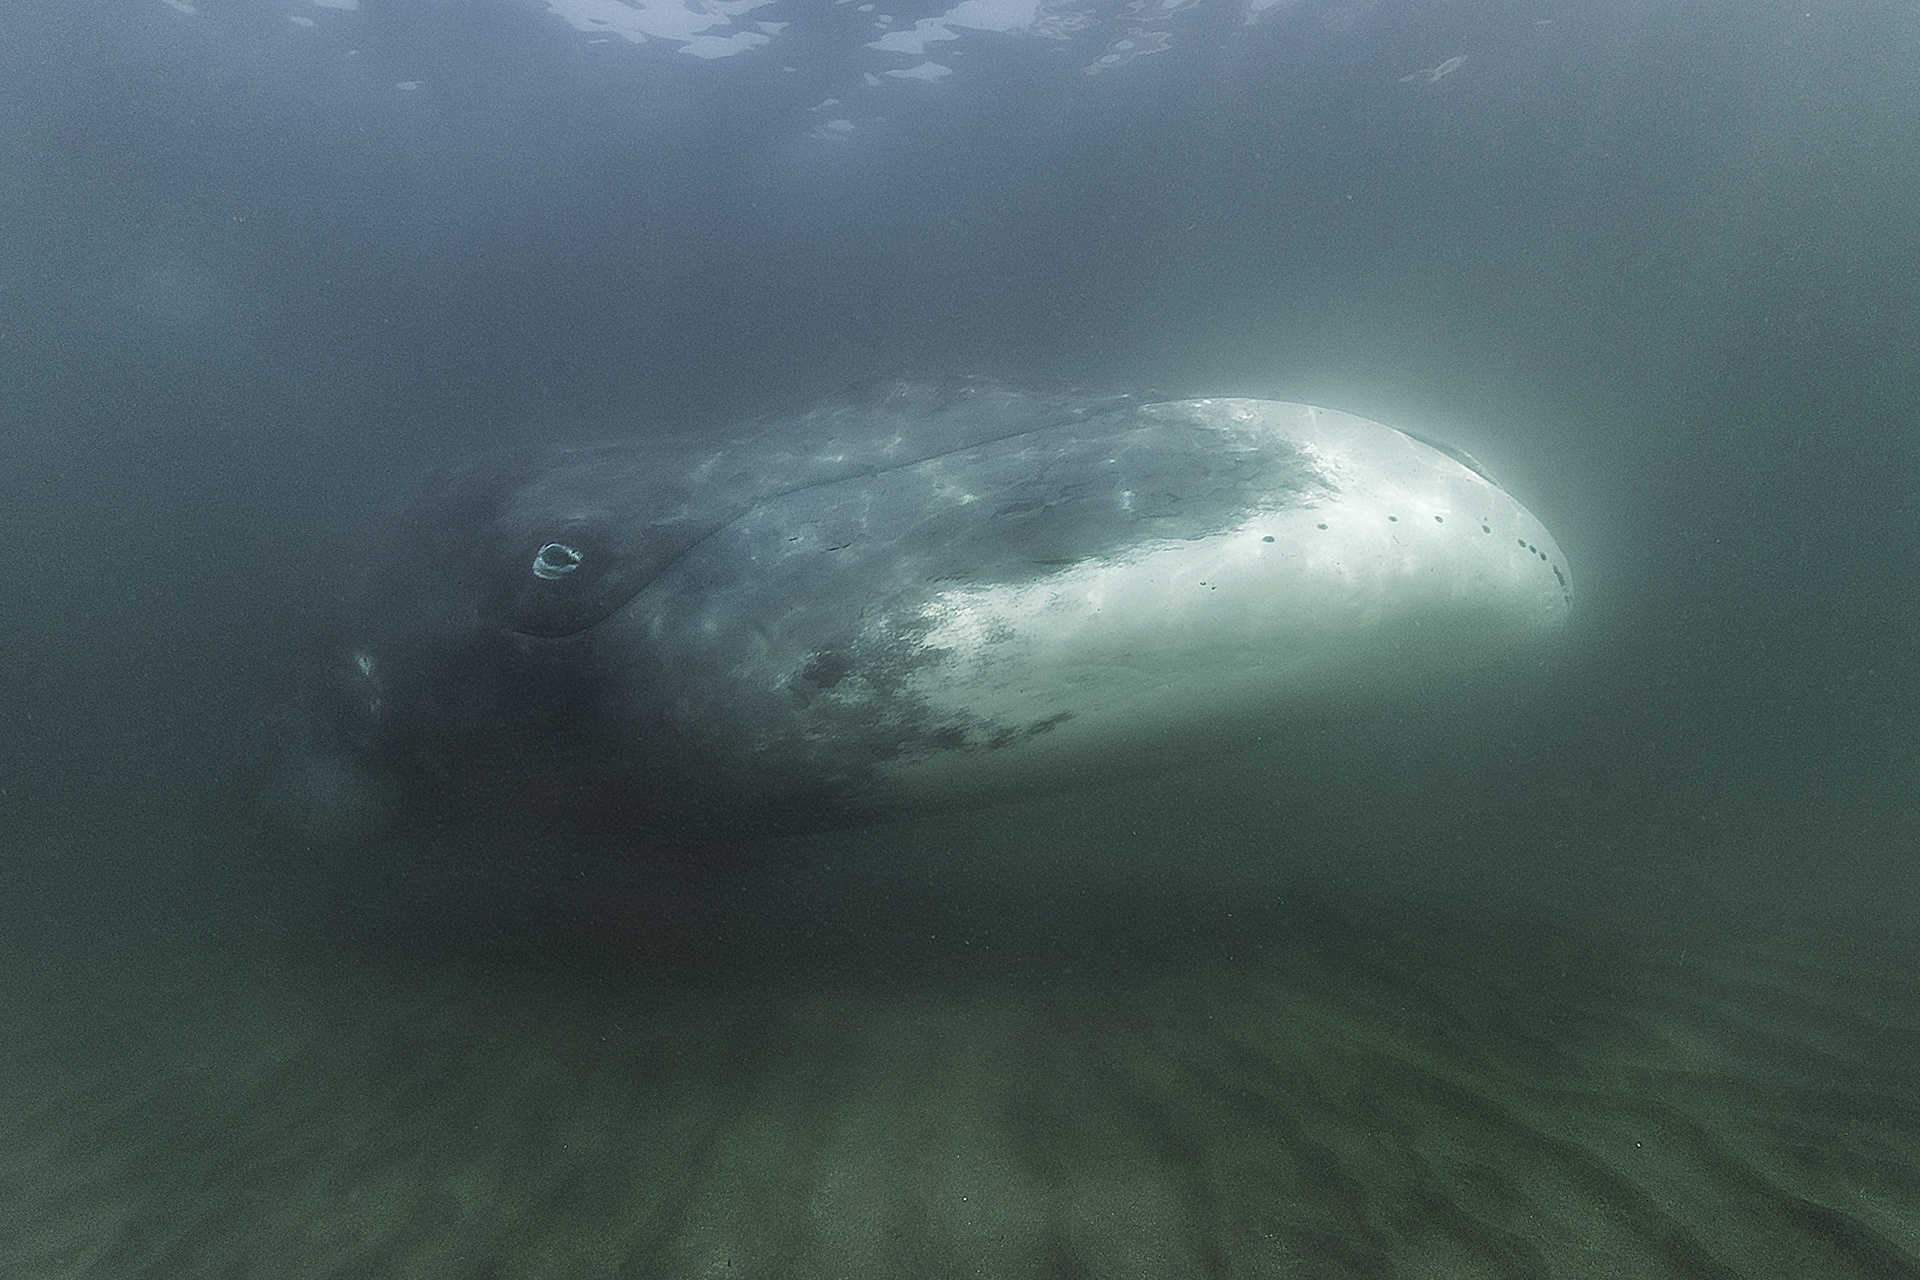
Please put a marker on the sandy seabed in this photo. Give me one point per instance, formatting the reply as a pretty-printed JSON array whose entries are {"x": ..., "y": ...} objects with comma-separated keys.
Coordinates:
[{"x": 1315, "y": 1085}]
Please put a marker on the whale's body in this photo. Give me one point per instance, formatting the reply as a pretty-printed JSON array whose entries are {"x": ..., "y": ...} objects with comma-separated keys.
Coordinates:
[{"x": 919, "y": 595}]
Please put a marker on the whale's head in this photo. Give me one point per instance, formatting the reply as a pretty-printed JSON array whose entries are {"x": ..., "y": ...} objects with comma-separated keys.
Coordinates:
[{"x": 923, "y": 595}]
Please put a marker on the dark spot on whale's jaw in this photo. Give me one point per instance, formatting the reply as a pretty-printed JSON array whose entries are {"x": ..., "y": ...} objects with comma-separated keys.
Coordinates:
[{"x": 825, "y": 670}]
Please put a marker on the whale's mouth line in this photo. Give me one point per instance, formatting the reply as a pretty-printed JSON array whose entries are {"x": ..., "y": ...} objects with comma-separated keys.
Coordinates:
[{"x": 1458, "y": 454}]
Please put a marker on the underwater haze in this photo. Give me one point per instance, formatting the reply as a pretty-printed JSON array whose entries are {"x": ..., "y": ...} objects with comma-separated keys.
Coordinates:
[{"x": 1606, "y": 967}]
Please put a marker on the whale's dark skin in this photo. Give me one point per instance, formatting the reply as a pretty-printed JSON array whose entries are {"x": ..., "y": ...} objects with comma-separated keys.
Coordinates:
[{"x": 914, "y": 594}]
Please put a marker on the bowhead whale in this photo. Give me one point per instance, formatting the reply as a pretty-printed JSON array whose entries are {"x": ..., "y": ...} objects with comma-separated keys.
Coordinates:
[{"x": 916, "y": 594}]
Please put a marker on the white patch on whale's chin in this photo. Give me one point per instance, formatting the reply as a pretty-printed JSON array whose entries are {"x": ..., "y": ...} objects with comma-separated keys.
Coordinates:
[{"x": 1413, "y": 567}]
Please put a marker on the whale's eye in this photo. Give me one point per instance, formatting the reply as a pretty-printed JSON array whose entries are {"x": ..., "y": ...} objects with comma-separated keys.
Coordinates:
[
  {"x": 566, "y": 577},
  {"x": 556, "y": 560}
]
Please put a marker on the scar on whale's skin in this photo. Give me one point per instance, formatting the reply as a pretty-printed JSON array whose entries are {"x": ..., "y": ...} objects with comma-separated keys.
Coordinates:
[{"x": 1431, "y": 74}]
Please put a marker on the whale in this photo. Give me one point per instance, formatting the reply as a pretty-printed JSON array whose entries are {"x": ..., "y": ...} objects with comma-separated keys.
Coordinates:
[{"x": 910, "y": 596}]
